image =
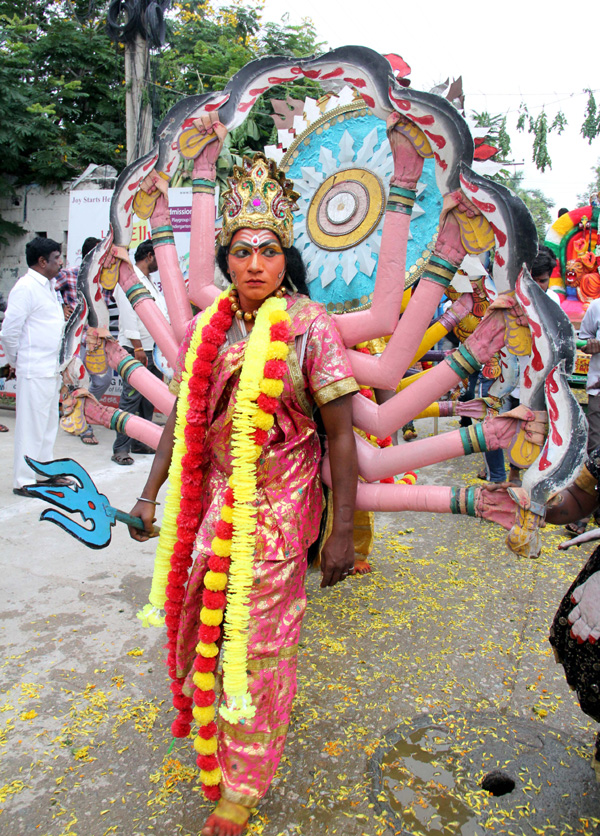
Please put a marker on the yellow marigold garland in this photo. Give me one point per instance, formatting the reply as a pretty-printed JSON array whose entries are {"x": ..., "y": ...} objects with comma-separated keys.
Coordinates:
[
  {"x": 260, "y": 383},
  {"x": 247, "y": 418}
]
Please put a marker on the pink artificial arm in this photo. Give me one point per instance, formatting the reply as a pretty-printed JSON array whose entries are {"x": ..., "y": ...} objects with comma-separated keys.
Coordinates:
[
  {"x": 386, "y": 371},
  {"x": 409, "y": 146},
  {"x": 150, "y": 386},
  {"x": 456, "y": 229},
  {"x": 173, "y": 284},
  {"x": 382, "y": 317},
  {"x": 203, "y": 291},
  {"x": 118, "y": 419},
  {"x": 150, "y": 314},
  {"x": 375, "y": 463},
  {"x": 433, "y": 499},
  {"x": 383, "y": 419}
]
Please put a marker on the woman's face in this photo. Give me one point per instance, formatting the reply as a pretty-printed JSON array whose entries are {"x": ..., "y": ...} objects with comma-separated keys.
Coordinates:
[{"x": 256, "y": 265}]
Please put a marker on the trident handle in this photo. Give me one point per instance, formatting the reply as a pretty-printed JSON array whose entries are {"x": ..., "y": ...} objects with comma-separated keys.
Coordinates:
[{"x": 134, "y": 522}]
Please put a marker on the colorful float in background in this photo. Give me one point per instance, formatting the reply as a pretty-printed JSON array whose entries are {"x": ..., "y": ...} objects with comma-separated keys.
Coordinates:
[{"x": 573, "y": 238}]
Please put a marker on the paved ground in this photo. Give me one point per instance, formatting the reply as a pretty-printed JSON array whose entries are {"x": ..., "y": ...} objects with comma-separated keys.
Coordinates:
[{"x": 448, "y": 623}]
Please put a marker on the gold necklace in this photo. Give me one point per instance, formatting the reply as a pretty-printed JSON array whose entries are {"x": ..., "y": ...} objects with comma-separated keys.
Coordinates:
[{"x": 248, "y": 316}]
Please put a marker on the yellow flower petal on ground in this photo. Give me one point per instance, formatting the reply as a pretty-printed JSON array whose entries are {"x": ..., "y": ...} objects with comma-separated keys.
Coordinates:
[
  {"x": 212, "y": 618},
  {"x": 215, "y": 581}
]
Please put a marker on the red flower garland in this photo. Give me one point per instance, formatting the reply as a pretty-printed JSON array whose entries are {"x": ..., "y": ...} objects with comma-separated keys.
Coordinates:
[
  {"x": 188, "y": 519},
  {"x": 213, "y": 599}
]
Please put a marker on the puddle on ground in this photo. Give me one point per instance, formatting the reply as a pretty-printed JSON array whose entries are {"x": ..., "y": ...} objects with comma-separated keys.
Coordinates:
[
  {"x": 426, "y": 778},
  {"x": 422, "y": 784}
]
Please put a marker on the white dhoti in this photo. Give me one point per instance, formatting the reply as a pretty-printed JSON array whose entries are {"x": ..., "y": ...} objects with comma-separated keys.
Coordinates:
[{"x": 36, "y": 425}]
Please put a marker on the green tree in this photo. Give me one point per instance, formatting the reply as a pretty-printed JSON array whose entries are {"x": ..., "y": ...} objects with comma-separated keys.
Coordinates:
[
  {"x": 61, "y": 93},
  {"x": 593, "y": 187},
  {"x": 540, "y": 127},
  {"x": 536, "y": 201}
]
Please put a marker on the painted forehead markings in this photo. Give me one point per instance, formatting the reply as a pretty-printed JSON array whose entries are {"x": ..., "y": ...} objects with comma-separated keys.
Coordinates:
[{"x": 257, "y": 238}]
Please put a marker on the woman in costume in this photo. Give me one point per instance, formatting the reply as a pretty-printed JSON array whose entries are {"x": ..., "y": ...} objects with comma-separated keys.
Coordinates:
[{"x": 242, "y": 455}]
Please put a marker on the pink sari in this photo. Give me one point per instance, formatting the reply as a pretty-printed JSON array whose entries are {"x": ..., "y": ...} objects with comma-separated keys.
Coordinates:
[{"x": 289, "y": 505}]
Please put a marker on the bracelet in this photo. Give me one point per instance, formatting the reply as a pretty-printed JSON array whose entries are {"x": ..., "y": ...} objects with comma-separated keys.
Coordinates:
[
  {"x": 439, "y": 271},
  {"x": 201, "y": 185},
  {"x": 143, "y": 499}
]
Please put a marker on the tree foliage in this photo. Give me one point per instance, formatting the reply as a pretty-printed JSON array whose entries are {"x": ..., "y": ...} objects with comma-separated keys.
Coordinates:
[
  {"x": 536, "y": 201},
  {"x": 591, "y": 124},
  {"x": 593, "y": 187},
  {"x": 61, "y": 84},
  {"x": 539, "y": 127},
  {"x": 62, "y": 89}
]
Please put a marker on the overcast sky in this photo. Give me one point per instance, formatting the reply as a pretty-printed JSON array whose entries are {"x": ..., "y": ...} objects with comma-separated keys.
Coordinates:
[{"x": 506, "y": 53}]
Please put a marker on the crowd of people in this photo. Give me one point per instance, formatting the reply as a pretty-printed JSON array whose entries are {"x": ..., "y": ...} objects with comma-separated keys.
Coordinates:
[{"x": 32, "y": 330}]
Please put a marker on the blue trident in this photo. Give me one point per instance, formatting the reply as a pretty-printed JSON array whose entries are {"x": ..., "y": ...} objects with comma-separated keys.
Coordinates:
[{"x": 83, "y": 498}]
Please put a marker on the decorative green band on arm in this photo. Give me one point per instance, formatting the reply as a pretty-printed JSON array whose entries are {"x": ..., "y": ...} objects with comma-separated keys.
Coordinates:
[
  {"x": 438, "y": 261},
  {"x": 162, "y": 235},
  {"x": 400, "y": 202},
  {"x": 137, "y": 293},
  {"x": 127, "y": 366},
  {"x": 202, "y": 186},
  {"x": 118, "y": 420},
  {"x": 462, "y": 501},
  {"x": 400, "y": 192},
  {"x": 473, "y": 439},
  {"x": 161, "y": 240},
  {"x": 440, "y": 271},
  {"x": 466, "y": 441},
  {"x": 462, "y": 362}
]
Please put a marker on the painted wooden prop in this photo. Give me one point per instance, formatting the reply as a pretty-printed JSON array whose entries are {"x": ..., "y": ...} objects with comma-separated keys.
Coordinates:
[
  {"x": 498, "y": 217},
  {"x": 563, "y": 453},
  {"x": 552, "y": 340},
  {"x": 84, "y": 498}
]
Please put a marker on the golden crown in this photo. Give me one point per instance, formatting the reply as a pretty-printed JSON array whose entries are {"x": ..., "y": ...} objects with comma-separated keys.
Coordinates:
[{"x": 259, "y": 197}]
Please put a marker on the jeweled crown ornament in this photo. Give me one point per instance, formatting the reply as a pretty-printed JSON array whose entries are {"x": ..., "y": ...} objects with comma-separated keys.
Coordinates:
[{"x": 259, "y": 197}]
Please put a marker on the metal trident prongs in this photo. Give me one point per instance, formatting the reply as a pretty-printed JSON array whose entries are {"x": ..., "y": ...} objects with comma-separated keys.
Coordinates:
[{"x": 83, "y": 498}]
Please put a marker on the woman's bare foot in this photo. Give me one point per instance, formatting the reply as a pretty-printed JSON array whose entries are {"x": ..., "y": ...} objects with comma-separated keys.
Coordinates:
[
  {"x": 227, "y": 819},
  {"x": 361, "y": 567}
]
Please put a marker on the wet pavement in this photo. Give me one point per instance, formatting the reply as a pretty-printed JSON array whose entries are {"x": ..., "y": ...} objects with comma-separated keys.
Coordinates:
[{"x": 414, "y": 682}]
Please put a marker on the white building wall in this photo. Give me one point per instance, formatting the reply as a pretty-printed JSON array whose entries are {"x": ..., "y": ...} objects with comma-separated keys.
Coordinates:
[{"x": 38, "y": 209}]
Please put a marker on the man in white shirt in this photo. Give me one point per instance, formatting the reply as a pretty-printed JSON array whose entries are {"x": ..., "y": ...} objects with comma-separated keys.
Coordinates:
[
  {"x": 32, "y": 330},
  {"x": 134, "y": 336}
]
